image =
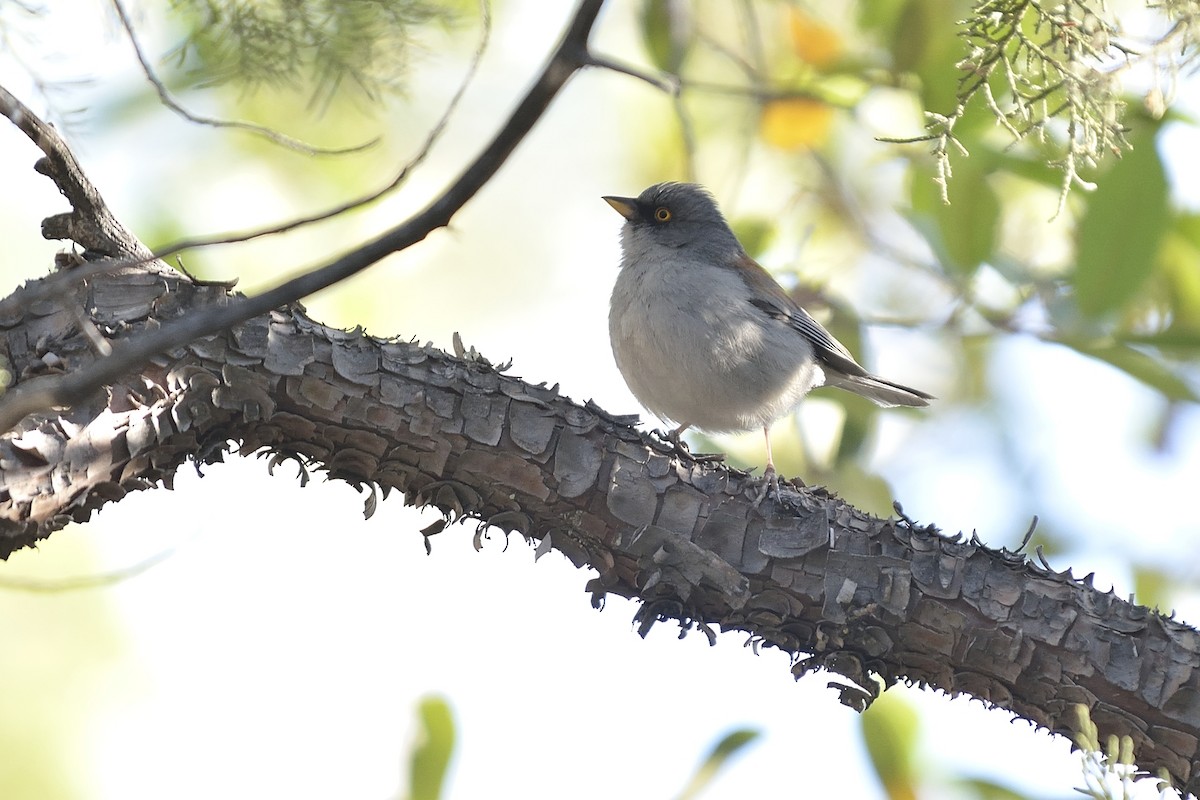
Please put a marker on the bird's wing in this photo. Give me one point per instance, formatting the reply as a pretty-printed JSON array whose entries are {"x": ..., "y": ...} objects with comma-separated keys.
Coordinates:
[
  {"x": 840, "y": 368},
  {"x": 776, "y": 303}
]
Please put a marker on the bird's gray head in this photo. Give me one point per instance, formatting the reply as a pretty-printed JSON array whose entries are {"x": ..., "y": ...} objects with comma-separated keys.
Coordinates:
[{"x": 682, "y": 216}]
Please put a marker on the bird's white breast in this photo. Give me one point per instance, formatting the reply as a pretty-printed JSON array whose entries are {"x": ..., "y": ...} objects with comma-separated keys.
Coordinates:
[{"x": 694, "y": 350}]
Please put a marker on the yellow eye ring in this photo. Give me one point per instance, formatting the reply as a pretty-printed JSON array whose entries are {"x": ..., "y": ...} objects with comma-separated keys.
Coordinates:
[{"x": 662, "y": 214}]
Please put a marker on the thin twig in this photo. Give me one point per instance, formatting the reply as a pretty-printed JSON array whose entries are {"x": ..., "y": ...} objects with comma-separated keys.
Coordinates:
[
  {"x": 165, "y": 97},
  {"x": 59, "y": 585},
  {"x": 665, "y": 84},
  {"x": 687, "y": 136},
  {"x": 96, "y": 268},
  {"x": 431, "y": 139}
]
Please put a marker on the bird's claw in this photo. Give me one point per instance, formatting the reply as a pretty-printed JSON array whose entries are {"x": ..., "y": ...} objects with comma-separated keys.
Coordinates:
[
  {"x": 770, "y": 484},
  {"x": 770, "y": 481},
  {"x": 674, "y": 437}
]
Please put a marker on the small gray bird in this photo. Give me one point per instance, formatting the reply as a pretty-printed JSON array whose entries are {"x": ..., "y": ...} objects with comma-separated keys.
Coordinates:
[{"x": 704, "y": 337}]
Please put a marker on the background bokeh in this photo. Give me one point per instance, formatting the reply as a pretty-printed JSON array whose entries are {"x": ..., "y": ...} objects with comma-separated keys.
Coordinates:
[{"x": 280, "y": 645}]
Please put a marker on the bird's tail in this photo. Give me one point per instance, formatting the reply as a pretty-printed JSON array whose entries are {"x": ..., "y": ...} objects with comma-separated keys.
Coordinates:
[{"x": 877, "y": 390}]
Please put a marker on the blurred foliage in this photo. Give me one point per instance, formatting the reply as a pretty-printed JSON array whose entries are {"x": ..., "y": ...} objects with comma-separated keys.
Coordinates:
[
  {"x": 729, "y": 745},
  {"x": 1121, "y": 232},
  {"x": 1032, "y": 92},
  {"x": 433, "y": 750},
  {"x": 665, "y": 39},
  {"x": 889, "y": 729},
  {"x": 891, "y": 732},
  {"x": 1031, "y": 63},
  {"x": 431, "y": 754},
  {"x": 65, "y": 651},
  {"x": 793, "y": 123},
  {"x": 1029, "y": 100},
  {"x": 1153, "y": 588},
  {"x": 282, "y": 43},
  {"x": 755, "y": 234}
]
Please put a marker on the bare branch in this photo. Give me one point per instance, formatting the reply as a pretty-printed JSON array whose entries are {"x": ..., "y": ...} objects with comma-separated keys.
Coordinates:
[
  {"x": 90, "y": 223},
  {"x": 670, "y": 86}
]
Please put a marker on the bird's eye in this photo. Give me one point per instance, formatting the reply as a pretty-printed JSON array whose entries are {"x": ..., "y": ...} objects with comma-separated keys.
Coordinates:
[{"x": 662, "y": 214}]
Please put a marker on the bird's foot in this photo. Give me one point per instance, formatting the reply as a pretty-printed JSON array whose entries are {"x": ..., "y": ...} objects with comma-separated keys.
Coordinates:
[
  {"x": 674, "y": 437},
  {"x": 770, "y": 484}
]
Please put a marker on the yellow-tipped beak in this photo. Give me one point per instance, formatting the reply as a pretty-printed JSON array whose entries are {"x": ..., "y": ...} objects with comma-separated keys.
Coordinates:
[{"x": 625, "y": 206}]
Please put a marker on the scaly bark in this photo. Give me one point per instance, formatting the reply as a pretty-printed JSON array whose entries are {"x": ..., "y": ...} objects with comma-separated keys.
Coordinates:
[{"x": 836, "y": 588}]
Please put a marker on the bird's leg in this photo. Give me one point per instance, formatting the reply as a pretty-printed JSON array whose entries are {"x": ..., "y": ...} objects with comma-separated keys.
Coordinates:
[
  {"x": 673, "y": 438},
  {"x": 770, "y": 476}
]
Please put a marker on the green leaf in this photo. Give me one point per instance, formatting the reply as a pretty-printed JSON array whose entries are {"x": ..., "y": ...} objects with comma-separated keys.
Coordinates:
[
  {"x": 1151, "y": 587},
  {"x": 1120, "y": 235},
  {"x": 858, "y": 428},
  {"x": 664, "y": 34},
  {"x": 862, "y": 489},
  {"x": 1135, "y": 363},
  {"x": 974, "y": 367},
  {"x": 1178, "y": 341},
  {"x": 986, "y": 789},
  {"x": 1032, "y": 167},
  {"x": 1188, "y": 226},
  {"x": 755, "y": 234},
  {"x": 434, "y": 748},
  {"x": 966, "y": 228},
  {"x": 1177, "y": 262},
  {"x": 881, "y": 16},
  {"x": 925, "y": 41},
  {"x": 729, "y": 745},
  {"x": 889, "y": 729}
]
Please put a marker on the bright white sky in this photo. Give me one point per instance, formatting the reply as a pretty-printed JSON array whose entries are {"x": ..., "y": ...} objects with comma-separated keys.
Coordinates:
[{"x": 282, "y": 648}]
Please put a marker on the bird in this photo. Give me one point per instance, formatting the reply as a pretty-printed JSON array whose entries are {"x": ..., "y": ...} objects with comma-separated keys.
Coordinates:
[{"x": 704, "y": 336}]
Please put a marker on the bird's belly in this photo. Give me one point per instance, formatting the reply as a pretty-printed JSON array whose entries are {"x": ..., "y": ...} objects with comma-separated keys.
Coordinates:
[{"x": 711, "y": 373}]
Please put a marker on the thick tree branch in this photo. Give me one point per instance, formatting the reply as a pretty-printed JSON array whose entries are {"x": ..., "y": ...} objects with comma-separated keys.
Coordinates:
[{"x": 838, "y": 589}]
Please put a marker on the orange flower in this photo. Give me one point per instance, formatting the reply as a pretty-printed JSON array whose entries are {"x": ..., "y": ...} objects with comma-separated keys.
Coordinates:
[
  {"x": 813, "y": 40},
  {"x": 795, "y": 123}
]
